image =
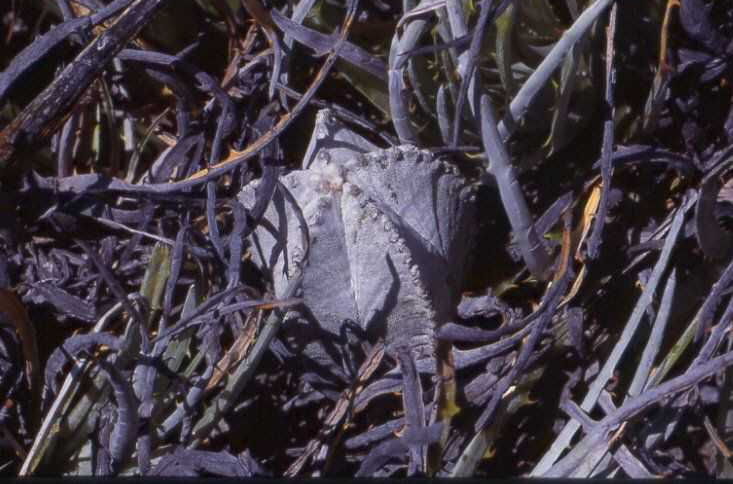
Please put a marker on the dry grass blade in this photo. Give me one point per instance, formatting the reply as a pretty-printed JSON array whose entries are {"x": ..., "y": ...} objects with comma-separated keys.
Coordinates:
[
  {"x": 589, "y": 401},
  {"x": 339, "y": 417},
  {"x": 633, "y": 407},
  {"x": 238, "y": 350},
  {"x": 48, "y": 431}
]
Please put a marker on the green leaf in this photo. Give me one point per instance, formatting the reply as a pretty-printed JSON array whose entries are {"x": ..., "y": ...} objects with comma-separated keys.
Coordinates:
[
  {"x": 373, "y": 89},
  {"x": 504, "y": 55},
  {"x": 156, "y": 276}
]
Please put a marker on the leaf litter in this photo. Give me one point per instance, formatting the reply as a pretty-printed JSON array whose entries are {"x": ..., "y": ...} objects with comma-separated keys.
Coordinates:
[{"x": 318, "y": 238}]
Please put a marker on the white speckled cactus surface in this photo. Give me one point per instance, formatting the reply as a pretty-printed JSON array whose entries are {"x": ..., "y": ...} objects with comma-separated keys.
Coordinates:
[{"x": 385, "y": 238}]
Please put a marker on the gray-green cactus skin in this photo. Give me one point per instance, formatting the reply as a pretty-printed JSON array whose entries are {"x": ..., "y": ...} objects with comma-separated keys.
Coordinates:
[{"x": 385, "y": 239}]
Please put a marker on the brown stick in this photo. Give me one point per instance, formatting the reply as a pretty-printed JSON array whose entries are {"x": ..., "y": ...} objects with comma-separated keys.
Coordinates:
[{"x": 47, "y": 112}]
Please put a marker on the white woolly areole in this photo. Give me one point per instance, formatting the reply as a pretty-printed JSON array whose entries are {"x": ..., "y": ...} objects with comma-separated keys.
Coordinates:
[{"x": 328, "y": 179}]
